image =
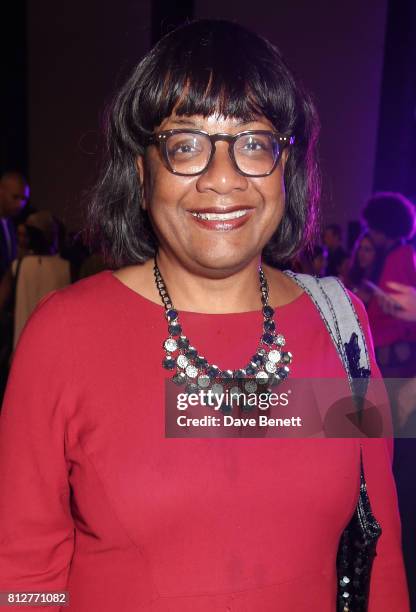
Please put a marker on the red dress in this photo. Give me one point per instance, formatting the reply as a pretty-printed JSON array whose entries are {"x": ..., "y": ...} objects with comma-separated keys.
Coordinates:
[{"x": 96, "y": 500}]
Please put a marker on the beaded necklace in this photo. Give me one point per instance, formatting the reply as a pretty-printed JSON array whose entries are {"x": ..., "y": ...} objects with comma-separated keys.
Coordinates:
[{"x": 267, "y": 367}]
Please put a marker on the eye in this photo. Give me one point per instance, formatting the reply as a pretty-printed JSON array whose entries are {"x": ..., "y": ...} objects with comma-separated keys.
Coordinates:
[
  {"x": 254, "y": 144},
  {"x": 184, "y": 147}
]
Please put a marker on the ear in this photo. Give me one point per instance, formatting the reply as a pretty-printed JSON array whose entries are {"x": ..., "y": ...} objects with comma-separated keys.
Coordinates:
[{"x": 140, "y": 178}]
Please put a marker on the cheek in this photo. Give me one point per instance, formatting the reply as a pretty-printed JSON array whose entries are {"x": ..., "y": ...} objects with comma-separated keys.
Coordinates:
[
  {"x": 165, "y": 197},
  {"x": 274, "y": 195}
]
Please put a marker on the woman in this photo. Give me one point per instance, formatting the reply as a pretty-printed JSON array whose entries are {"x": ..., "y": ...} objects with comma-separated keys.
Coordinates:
[
  {"x": 196, "y": 524},
  {"x": 365, "y": 263},
  {"x": 40, "y": 271}
]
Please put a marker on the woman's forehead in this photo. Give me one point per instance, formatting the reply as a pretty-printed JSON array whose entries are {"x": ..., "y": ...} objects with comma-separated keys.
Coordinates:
[{"x": 215, "y": 122}]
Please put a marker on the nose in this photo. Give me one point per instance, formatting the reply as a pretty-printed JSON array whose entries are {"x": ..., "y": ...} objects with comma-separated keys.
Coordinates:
[{"x": 221, "y": 175}]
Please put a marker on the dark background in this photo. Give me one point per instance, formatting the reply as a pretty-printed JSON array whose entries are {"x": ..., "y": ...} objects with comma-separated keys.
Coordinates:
[{"x": 61, "y": 63}]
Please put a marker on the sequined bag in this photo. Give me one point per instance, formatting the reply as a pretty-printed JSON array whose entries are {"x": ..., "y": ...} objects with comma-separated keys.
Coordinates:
[
  {"x": 356, "y": 553},
  {"x": 358, "y": 542}
]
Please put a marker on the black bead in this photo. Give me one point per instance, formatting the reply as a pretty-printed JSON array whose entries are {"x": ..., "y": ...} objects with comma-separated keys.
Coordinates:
[
  {"x": 213, "y": 371},
  {"x": 183, "y": 342},
  {"x": 258, "y": 359},
  {"x": 239, "y": 374},
  {"x": 171, "y": 314},
  {"x": 282, "y": 373},
  {"x": 268, "y": 312},
  {"x": 175, "y": 329},
  {"x": 200, "y": 362},
  {"x": 191, "y": 352},
  {"x": 286, "y": 357},
  {"x": 227, "y": 374},
  {"x": 169, "y": 363},
  {"x": 267, "y": 338},
  {"x": 251, "y": 369},
  {"x": 269, "y": 325}
]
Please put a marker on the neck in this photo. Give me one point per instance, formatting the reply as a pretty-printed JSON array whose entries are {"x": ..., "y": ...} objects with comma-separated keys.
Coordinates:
[{"x": 233, "y": 291}]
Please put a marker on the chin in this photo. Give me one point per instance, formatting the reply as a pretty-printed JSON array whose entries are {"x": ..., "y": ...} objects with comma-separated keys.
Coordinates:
[{"x": 216, "y": 264}]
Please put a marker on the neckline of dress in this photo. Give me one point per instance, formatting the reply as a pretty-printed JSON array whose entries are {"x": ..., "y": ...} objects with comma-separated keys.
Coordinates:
[{"x": 141, "y": 298}]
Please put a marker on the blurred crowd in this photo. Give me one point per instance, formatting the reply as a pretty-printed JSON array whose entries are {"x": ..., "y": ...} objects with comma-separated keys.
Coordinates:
[
  {"x": 37, "y": 255},
  {"x": 380, "y": 268}
]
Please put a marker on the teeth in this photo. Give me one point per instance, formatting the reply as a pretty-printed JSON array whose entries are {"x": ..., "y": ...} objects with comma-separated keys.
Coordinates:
[{"x": 220, "y": 216}]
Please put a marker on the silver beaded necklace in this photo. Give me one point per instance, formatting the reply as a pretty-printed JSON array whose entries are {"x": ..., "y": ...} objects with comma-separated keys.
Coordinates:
[{"x": 267, "y": 367}]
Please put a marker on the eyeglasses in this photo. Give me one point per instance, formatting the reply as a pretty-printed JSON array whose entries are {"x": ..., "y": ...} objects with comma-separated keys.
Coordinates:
[{"x": 189, "y": 152}]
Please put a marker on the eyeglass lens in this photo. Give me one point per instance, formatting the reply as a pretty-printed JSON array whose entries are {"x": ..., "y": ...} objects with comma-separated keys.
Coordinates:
[{"x": 254, "y": 154}]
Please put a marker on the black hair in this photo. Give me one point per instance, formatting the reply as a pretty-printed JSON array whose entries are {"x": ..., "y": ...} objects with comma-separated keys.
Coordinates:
[
  {"x": 391, "y": 214},
  {"x": 39, "y": 243},
  {"x": 202, "y": 68}
]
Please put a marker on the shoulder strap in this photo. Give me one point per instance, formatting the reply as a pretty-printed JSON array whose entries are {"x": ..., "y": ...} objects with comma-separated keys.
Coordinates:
[{"x": 341, "y": 320}]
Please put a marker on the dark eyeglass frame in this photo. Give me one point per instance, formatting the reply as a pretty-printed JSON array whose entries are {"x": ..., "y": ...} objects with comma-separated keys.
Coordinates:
[{"x": 160, "y": 139}]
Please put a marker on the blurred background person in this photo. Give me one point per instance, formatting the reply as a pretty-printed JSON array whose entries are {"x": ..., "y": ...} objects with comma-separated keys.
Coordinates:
[
  {"x": 14, "y": 194},
  {"x": 365, "y": 263},
  {"x": 314, "y": 261},
  {"x": 390, "y": 219},
  {"x": 42, "y": 271},
  {"x": 332, "y": 239},
  {"x": 341, "y": 265},
  {"x": 405, "y": 297}
]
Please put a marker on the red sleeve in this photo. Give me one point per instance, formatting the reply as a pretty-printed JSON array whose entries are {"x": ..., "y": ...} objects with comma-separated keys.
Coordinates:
[
  {"x": 388, "y": 589},
  {"x": 36, "y": 528}
]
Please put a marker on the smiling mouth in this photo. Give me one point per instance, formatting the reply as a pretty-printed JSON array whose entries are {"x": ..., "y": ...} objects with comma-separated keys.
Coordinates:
[{"x": 210, "y": 216}]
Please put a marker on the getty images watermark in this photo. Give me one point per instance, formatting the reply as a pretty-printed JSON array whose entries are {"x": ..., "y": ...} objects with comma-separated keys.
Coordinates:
[
  {"x": 224, "y": 403},
  {"x": 297, "y": 408}
]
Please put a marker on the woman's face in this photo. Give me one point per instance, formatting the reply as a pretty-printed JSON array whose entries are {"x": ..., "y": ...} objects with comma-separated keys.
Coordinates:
[
  {"x": 366, "y": 254},
  {"x": 218, "y": 246}
]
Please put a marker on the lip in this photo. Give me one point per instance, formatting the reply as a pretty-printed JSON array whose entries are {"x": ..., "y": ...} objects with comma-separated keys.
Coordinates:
[{"x": 222, "y": 225}]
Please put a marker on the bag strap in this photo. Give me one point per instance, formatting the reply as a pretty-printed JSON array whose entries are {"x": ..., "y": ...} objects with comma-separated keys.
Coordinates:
[{"x": 341, "y": 320}]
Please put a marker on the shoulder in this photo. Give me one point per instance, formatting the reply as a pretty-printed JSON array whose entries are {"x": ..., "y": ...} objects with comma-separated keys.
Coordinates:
[
  {"x": 60, "y": 310},
  {"x": 401, "y": 253}
]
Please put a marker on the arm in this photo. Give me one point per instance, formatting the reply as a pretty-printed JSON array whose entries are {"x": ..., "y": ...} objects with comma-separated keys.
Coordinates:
[
  {"x": 36, "y": 528},
  {"x": 405, "y": 296},
  {"x": 388, "y": 590}
]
